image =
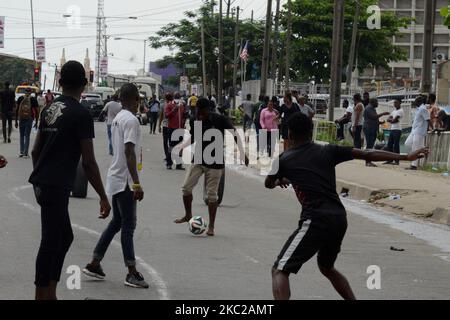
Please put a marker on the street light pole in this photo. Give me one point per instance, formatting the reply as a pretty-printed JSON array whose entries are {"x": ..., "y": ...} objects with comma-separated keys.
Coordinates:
[
  {"x": 145, "y": 53},
  {"x": 32, "y": 30}
]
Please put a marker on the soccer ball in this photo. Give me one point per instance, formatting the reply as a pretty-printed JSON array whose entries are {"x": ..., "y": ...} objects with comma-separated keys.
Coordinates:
[{"x": 197, "y": 225}]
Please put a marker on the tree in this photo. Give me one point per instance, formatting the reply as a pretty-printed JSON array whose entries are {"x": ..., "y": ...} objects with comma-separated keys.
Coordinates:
[
  {"x": 16, "y": 70},
  {"x": 185, "y": 37},
  {"x": 312, "y": 38},
  {"x": 445, "y": 12}
]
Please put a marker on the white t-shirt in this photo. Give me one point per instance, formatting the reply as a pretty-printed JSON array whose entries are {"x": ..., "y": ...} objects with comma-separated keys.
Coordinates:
[
  {"x": 125, "y": 129},
  {"x": 349, "y": 109},
  {"x": 420, "y": 124},
  {"x": 397, "y": 113},
  {"x": 112, "y": 108}
]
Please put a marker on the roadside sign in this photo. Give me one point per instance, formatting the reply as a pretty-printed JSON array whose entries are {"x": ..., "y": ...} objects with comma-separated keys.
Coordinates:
[
  {"x": 2, "y": 32},
  {"x": 104, "y": 67},
  {"x": 40, "y": 49},
  {"x": 184, "y": 81}
]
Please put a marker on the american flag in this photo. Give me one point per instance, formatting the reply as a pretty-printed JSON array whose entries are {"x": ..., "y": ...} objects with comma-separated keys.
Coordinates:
[{"x": 244, "y": 54}]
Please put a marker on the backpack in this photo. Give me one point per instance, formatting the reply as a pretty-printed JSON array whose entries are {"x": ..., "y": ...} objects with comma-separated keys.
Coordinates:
[{"x": 25, "y": 109}]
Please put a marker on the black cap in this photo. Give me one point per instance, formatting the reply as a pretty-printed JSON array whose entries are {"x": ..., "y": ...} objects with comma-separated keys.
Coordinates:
[{"x": 73, "y": 75}]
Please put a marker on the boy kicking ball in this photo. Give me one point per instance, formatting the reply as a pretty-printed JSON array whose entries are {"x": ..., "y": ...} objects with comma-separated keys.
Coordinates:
[{"x": 310, "y": 169}]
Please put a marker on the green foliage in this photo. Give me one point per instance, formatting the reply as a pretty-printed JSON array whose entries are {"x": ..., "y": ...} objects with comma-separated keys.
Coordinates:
[
  {"x": 312, "y": 38},
  {"x": 16, "y": 70},
  {"x": 445, "y": 12},
  {"x": 184, "y": 37}
]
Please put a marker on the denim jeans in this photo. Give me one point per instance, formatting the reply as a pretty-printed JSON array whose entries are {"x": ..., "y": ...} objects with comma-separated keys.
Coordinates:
[
  {"x": 111, "y": 151},
  {"x": 124, "y": 220},
  {"x": 394, "y": 142},
  {"x": 153, "y": 119},
  {"x": 25, "y": 132},
  {"x": 57, "y": 235},
  {"x": 371, "y": 137}
]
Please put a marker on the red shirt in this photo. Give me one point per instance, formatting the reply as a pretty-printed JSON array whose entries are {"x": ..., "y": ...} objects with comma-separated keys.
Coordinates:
[{"x": 176, "y": 116}]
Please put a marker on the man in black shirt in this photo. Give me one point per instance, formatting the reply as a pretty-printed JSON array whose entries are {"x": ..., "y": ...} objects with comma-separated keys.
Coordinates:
[
  {"x": 7, "y": 100},
  {"x": 66, "y": 131},
  {"x": 209, "y": 158},
  {"x": 310, "y": 169}
]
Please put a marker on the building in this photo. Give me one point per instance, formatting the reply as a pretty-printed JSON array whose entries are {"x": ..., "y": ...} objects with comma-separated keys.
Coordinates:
[{"x": 411, "y": 40}]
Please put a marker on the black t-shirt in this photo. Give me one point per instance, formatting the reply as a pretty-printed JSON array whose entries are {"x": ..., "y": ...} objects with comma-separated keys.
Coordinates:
[
  {"x": 62, "y": 126},
  {"x": 287, "y": 112},
  {"x": 311, "y": 170},
  {"x": 215, "y": 121},
  {"x": 7, "y": 100}
]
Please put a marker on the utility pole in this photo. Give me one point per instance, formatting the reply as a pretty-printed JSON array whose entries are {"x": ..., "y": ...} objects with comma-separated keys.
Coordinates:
[
  {"x": 266, "y": 52},
  {"x": 288, "y": 47},
  {"x": 351, "y": 59},
  {"x": 235, "y": 57},
  {"x": 220, "y": 75},
  {"x": 428, "y": 39},
  {"x": 32, "y": 30},
  {"x": 275, "y": 43},
  {"x": 251, "y": 19},
  {"x": 145, "y": 54},
  {"x": 205, "y": 83},
  {"x": 336, "y": 58}
]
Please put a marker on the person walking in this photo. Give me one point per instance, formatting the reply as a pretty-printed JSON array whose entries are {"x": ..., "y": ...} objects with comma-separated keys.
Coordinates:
[
  {"x": 154, "y": 110},
  {"x": 123, "y": 185},
  {"x": 164, "y": 128},
  {"x": 396, "y": 130},
  {"x": 49, "y": 97},
  {"x": 27, "y": 112},
  {"x": 269, "y": 125},
  {"x": 7, "y": 101},
  {"x": 111, "y": 110},
  {"x": 287, "y": 110},
  {"x": 341, "y": 122},
  {"x": 357, "y": 121},
  {"x": 65, "y": 134},
  {"x": 371, "y": 126},
  {"x": 246, "y": 108},
  {"x": 176, "y": 116}
]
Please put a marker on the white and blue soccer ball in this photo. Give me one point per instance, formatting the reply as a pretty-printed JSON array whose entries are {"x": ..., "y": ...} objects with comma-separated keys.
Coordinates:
[{"x": 197, "y": 225}]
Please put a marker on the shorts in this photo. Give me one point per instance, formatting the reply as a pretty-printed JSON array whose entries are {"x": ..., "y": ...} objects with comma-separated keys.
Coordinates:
[
  {"x": 322, "y": 235},
  {"x": 212, "y": 181}
]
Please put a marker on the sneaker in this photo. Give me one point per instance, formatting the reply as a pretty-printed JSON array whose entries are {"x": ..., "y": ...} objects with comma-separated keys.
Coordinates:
[
  {"x": 21, "y": 155},
  {"x": 169, "y": 167},
  {"x": 136, "y": 280},
  {"x": 180, "y": 167},
  {"x": 26, "y": 156},
  {"x": 9, "y": 140},
  {"x": 94, "y": 271}
]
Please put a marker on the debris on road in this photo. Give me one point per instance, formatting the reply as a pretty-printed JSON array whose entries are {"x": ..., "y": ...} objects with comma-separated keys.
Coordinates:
[{"x": 397, "y": 249}]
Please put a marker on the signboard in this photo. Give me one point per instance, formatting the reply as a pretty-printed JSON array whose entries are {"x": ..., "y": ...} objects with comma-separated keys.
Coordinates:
[
  {"x": 2, "y": 32},
  {"x": 104, "y": 67},
  {"x": 184, "y": 81},
  {"x": 191, "y": 66},
  {"x": 40, "y": 49}
]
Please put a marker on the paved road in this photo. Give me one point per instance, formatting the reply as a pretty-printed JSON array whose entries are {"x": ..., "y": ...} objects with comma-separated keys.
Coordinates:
[{"x": 252, "y": 226}]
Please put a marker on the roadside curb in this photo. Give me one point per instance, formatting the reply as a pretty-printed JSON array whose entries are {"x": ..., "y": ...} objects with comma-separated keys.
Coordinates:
[{"x": 361, "y": 192}]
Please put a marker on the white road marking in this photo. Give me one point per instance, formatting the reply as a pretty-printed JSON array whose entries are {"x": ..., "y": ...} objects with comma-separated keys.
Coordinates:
[{"x": 157, "y": 280}]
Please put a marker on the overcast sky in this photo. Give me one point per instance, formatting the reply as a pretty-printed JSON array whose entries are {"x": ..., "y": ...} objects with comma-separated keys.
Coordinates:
[{"x": 128, "y": 55}]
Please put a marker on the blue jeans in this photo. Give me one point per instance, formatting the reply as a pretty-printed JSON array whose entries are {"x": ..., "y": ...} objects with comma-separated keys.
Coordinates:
[
  {"x": 124, "y": 220},
  {"x": 371, "y": 137},
  {"x": 394, "y": 142},
  {"x": 111, "y": 151},
  {"x": 357, "y": 137},
  {"x": 25, "y": 132}
]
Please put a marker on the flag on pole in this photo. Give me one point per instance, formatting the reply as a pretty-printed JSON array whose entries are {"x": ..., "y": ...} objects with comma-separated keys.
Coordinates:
[{"x": 244, "y": 55}]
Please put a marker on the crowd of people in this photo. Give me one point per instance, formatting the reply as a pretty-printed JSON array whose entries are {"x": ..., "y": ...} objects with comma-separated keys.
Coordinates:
[{"x": 364, "y": 122}]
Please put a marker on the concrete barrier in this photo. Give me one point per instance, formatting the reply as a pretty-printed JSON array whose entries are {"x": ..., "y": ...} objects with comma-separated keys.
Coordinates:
[{"x": 439, "y": 144}]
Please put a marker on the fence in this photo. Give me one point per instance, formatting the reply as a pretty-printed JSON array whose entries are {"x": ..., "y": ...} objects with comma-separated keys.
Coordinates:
[{"x": 439, "y": 145}]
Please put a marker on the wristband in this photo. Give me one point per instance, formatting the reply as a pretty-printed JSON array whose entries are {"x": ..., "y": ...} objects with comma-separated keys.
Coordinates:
[{"x": 136, "y": 186}]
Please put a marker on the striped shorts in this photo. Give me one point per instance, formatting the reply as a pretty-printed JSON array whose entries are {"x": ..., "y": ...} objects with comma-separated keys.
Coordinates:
[{"x": 322, "y": 235}]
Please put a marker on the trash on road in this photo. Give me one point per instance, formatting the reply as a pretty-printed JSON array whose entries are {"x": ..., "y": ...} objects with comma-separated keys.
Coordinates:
[
  {"x": 397, "y": 249},
  {"x": 345, "y": 192},
  {"x": 395, "y": 197},
  {"x": 446, "y": 174}
]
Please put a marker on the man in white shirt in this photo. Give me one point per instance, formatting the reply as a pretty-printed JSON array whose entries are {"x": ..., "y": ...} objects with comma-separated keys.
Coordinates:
[
  {"x": 396, "y": 130},
  {"x": 419, "y": 129},
  {"x": 124, "y": 187},
  {"x": 111, "y": 110}
]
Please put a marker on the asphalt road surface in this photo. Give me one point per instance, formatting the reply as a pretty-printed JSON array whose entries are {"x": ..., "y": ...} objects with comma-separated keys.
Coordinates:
[{"x": 252, "y": 226}]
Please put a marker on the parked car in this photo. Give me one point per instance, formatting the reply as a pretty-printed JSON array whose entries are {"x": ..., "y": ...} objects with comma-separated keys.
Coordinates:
[{"x": 93, "y": 102}]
